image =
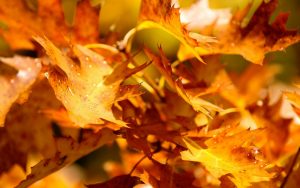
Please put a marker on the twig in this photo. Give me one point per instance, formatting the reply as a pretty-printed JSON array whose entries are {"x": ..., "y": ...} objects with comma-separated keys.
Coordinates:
[
  {"x": 134, "y": 167},
  {"x": 285, "y": 180}
]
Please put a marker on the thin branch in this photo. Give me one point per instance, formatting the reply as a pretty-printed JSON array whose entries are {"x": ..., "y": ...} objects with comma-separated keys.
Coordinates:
[
  {"x": 285, "y": 180},
  {"x": 134, "y": 167}
]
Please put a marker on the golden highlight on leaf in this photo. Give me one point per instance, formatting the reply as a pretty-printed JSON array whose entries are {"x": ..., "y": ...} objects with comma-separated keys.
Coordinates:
[
  {"x": 233, "y": 155},
  {"x": 88, "y": 98},
  {"x": 163, "y": 15}
]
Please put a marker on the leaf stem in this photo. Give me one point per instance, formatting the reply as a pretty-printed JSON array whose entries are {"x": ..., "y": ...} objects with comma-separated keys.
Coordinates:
[
  {"x": 285, "y": 180},
  {"x": 134, "y": 167}
]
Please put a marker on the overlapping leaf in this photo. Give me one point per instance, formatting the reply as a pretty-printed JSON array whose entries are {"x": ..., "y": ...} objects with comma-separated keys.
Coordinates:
[
  {"x": 164, "y": 66},
  {"x": 88, "y": 89},
  {"x": 231, "y": 155},
  {"x": 21, "y": 23},
  {"x": 191, "y": 111},
  {"x": 258, "y": 37},
  {"x": 163, "y": 15}
]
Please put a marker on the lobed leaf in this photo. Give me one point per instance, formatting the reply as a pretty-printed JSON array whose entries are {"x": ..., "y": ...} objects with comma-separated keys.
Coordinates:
[
  {"x": 163, "y": 15},
  {"x": 258, "y": 37},
  {"x": 232, "y": 155},
  {"x": 88, "y": 89}
]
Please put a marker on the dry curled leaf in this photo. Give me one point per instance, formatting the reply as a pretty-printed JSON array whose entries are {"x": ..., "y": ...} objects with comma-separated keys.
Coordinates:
[
  {"x": 258, "y": 37},
  {"x": 164, "y": 66}
]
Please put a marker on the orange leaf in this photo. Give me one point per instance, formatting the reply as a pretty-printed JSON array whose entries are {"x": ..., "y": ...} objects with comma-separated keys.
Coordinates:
[
  {"x": 88, "y": 90},
  {"x": 27, "y": 71},
  {"x": 258, "y": 37}
]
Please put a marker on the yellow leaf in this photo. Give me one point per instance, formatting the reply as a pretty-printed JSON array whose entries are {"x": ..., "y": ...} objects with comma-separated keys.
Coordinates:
[
  {"x": 162, "y": 15},
  {"x": 88, "y": 90},
  {"x": 233, "y": 155}
]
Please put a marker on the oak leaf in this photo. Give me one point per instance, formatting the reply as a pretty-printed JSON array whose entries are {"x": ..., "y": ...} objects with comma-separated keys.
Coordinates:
[
  {"x": 258, "y": 37},
  {"x": 164, "y": 66},
  {"x": 165, "y": 175},
  {"x": 163, "y": 15},
  {"x": 47, "y": 20},
  {"x": 231, "y": 155},
  {"x": 88, "y": 89}
]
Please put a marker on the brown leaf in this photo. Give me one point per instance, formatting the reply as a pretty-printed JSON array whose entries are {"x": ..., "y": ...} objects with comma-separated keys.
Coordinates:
[
  {"x": 164, "y": 66},
  {"x": 164, "y": 175},
  {"x": 258, "y": 37}
]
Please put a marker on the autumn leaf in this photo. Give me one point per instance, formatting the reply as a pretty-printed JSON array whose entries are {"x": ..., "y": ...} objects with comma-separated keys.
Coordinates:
[
  {"x": 258, "y": 37},
  {"x": 232, "y": 155},
  {"x": 164, "y": 175},
  {"x": 68, "y": 150},
  {"x": 13, "y": 87},
  {"x": 164, "y": 66},
  {"x": 163, "y": 15},
  {"x": 70, "y": 89},
  {"x": 27, "y": 126},
  {"x": 22, "y": 23},
  {"x": 88, "y": 98}
]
